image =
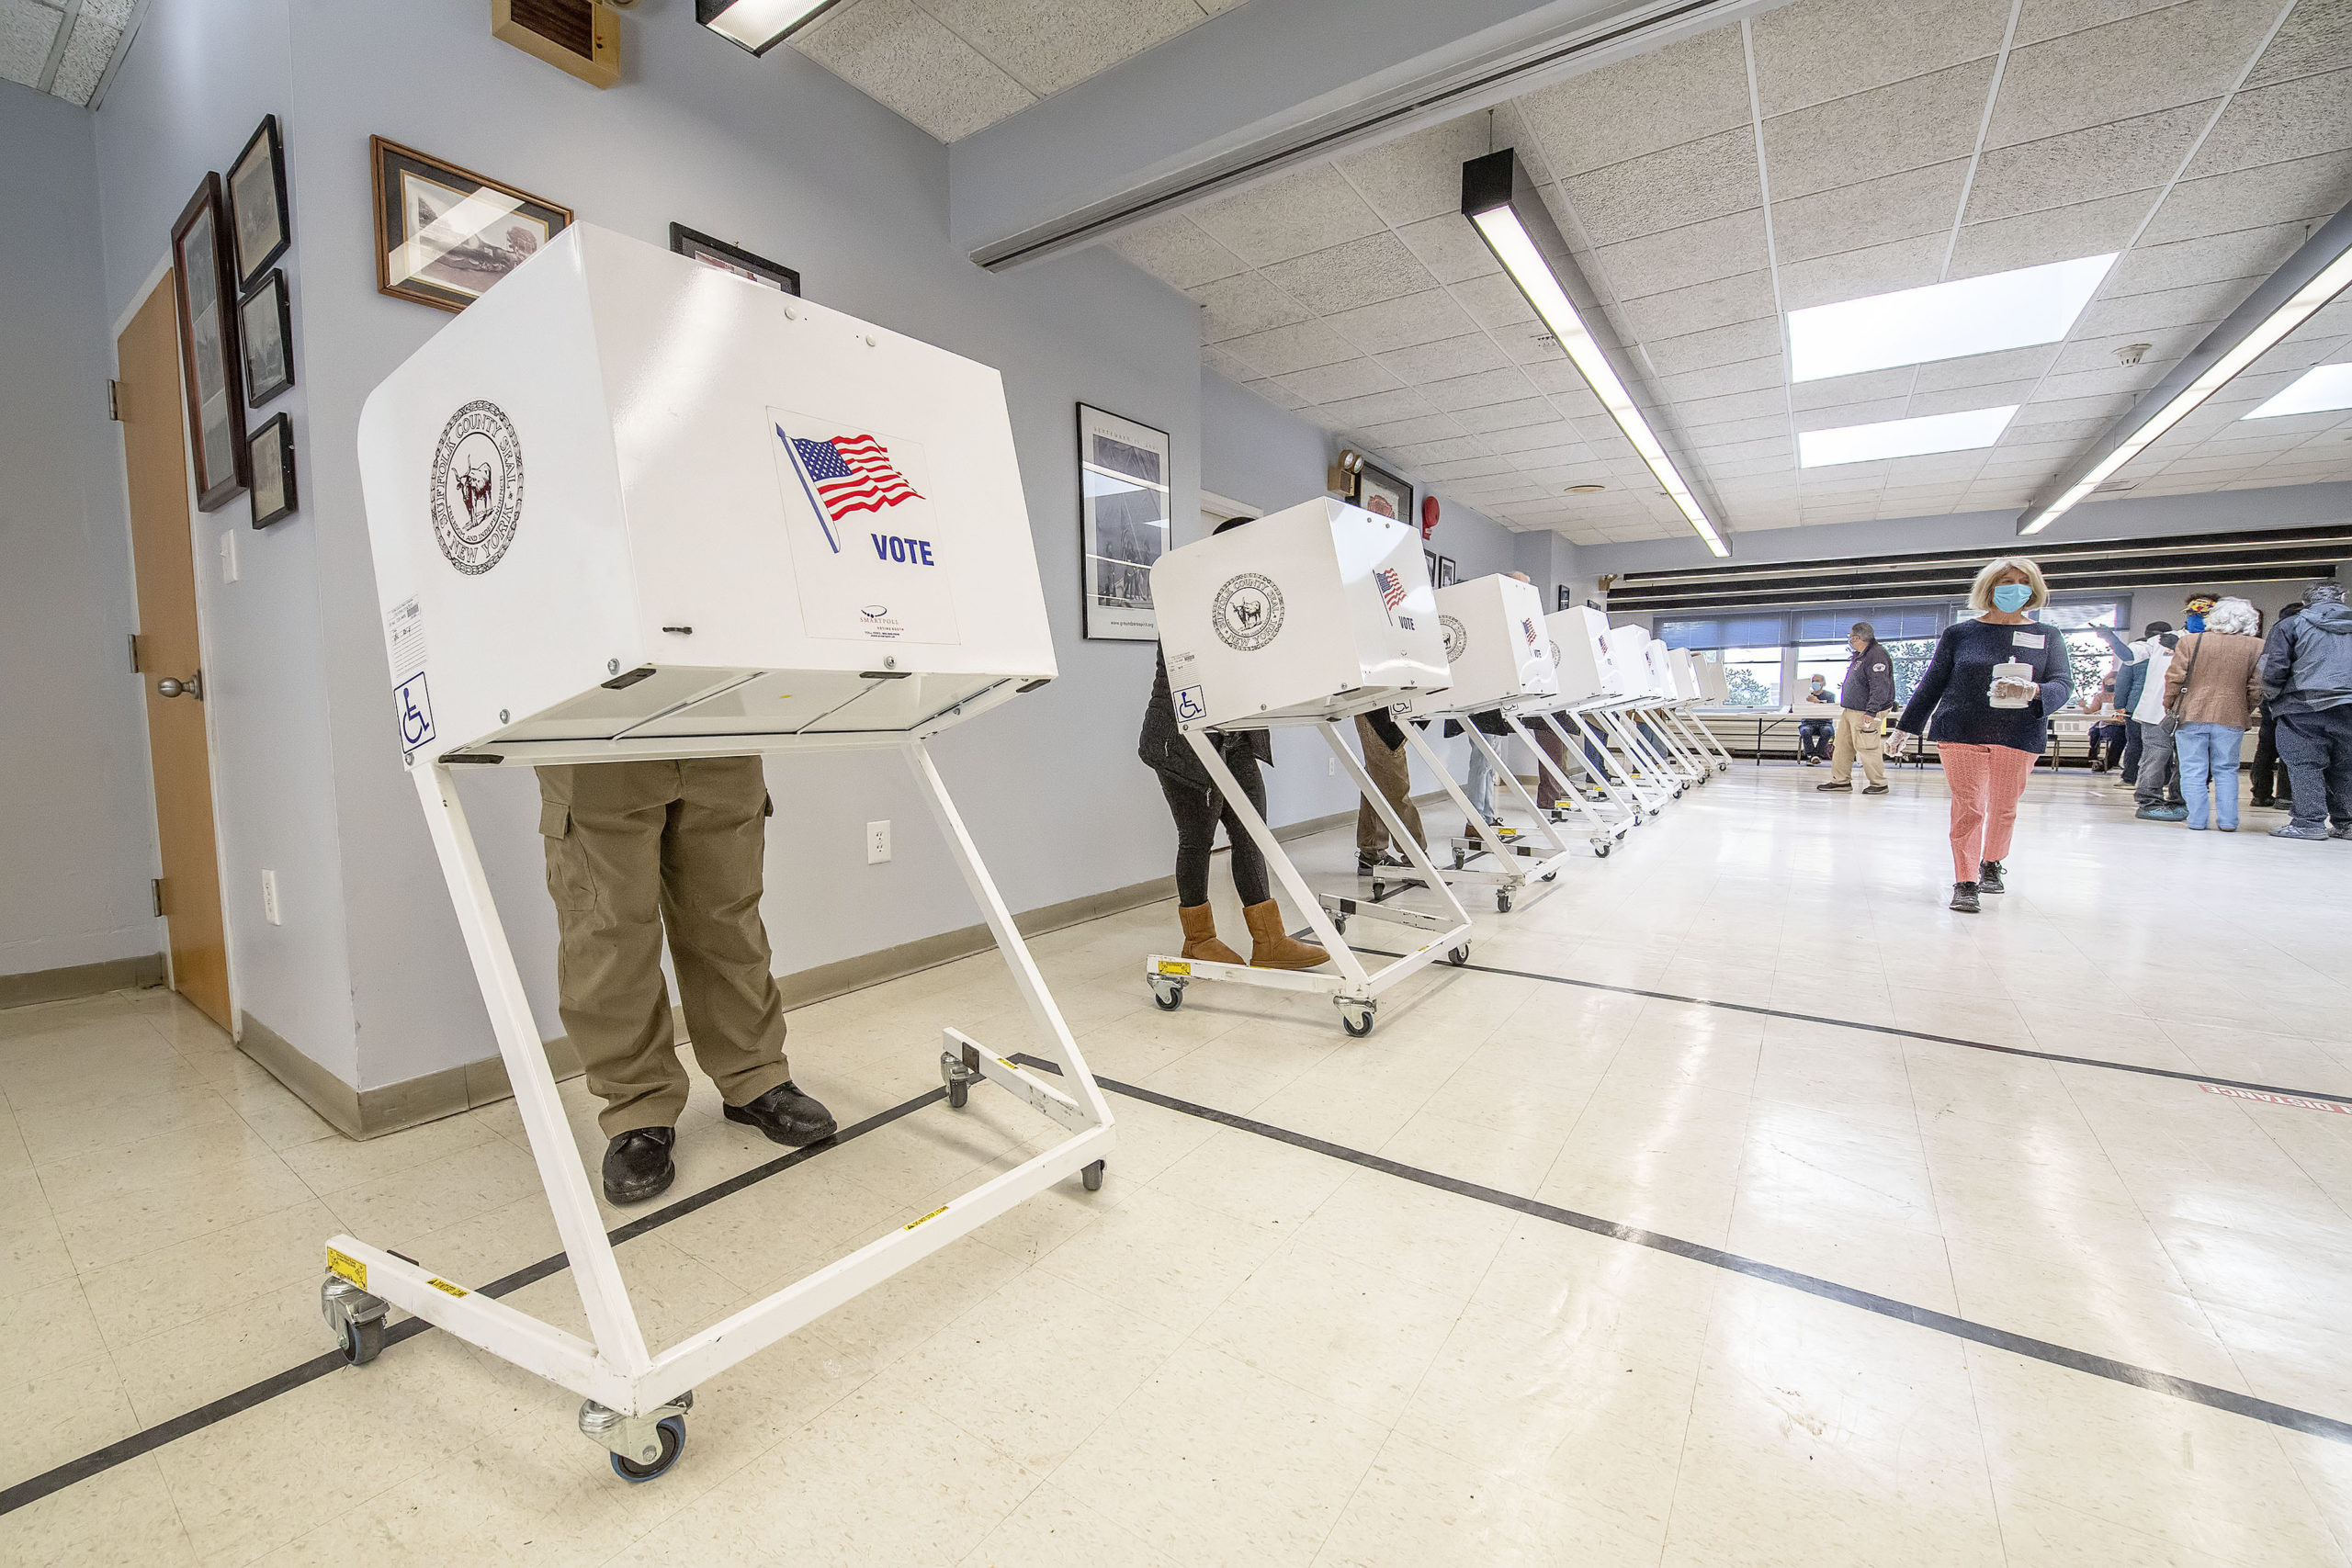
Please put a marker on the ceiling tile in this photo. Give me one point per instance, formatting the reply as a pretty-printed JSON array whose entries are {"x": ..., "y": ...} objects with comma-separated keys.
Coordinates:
[
  {"x": 2315, "y": 37},
  {"x": 2105, "y": 408},
  {"x": 1284, "y": 349},
  {"x": 1477, "y": 392},
  {"x": 1232, "y": 367},
  {"x": 1987, "y": 370},
  {"x": 1243, "y": 305},
  {"x": 1730, "y": 432},
  {"x": 1748, "y": 376},
  {"x": 1046, "y": 45},
  {"x": 1717, "y": 345},
  {"x": 1677, "y": 258},
  {"x": 1175, "y": 250},
  {"x": 1745, "y": 298},
  {"x": 1508, "y": 416},
  {"x": 1359, "y": 271},
  {"x": 1448, "y": 360},
  {"x": 1400, "y": 323},
  {"x": 2244, "y": 253},
  {"x": 1449, "y": 248},
  {"x": 1781, "y": 445},
  {"x": 1379, "y": 408},
  {"x": 1556, "y": 435},
  {"x": 2251, "y": 198},
  {"x": 1838, "y": 417},
  {"x": 1819, "y": 50},
  {"x": 904, "y": 59},
  {"x": 1770, "y": 403},
  {"x": 1465, "y": 467},
  {"x": 2129, "y": 379},
  {"x": 2167, "y": 308},
  {"x": 2295, "y": 119},
  {"x": 1448, "y": 449},
  {"x": 1855, "y": 275},
  {"x": 1401, "y": 432},
  {"x": 1870, "y": 386},
  {"x": 1670, "y": 189},
  {"x": 1274, "y": 392},
  {"x": 1956, "y": 400},
  {"x": 1661, "y": 99},
  {"x": 26, "y": 31},
  {"x": 1496, "y": 303},
  {"x": 2085, "y": 228},
  {"x": 2058, "y": 429},
  {"x": 1419, "y": 176},
  {"x": 2140, "y": 153},
  {"x": 1348, "y": 378},
  {"x": 1896, "y": 207},
  {"x": 2156, "y": 60},
  {"x": 1909, "y": 125},
  {"x": 1310, "y": 210}
]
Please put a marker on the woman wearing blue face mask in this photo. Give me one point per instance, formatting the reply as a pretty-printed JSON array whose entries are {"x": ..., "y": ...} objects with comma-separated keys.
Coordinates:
[{"x": 1984, "y": 701}]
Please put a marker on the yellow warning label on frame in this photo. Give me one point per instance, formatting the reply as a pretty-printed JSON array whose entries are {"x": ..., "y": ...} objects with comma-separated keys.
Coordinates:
[
  {"x": 933, "y": 1215},
  {"x": 350, "y": 1268},
  {"x": 446, "y": 1288},
  {"x": 1174, "y": 966}
]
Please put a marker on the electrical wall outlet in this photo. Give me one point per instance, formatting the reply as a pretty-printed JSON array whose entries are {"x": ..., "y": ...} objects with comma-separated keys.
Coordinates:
[
  {"x": 270, "y": 910},
  {"x": 229, "y": 555},
  {"x": 1330, "y": 767},
  {"x": 878, "y": 842}
]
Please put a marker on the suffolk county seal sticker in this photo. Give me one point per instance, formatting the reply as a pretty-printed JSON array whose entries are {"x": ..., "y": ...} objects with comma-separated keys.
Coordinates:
[
  {"x": 477, "y": 487},
  {"x": 1248, "y": 611},
  {"x": 1456, "y": 639}
]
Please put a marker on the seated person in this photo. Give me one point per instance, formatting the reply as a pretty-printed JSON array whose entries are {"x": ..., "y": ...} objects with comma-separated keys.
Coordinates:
[
  {"x": 1813, "y": 734},
  {"x": 2108, "y": 729}
]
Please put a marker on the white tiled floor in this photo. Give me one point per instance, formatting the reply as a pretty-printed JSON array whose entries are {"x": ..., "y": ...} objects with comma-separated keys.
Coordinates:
[{"x": 1241, "y": 1351}]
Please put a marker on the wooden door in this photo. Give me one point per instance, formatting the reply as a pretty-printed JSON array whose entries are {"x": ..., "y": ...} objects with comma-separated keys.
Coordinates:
[{"x": 155, "y": 452}]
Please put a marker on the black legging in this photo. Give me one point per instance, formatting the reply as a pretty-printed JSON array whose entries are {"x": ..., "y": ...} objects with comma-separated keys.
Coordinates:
[{"x": 1197, "y": 809}]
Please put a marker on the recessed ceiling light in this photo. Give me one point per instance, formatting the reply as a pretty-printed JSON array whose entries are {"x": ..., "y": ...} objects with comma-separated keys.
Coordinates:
[
  {"x": 1961, "y": 431},
  {"x": 758, "y": 25},
  {"x": 2315, "y": 391},
  {"x": 1943, "y": 321},
  {"x": 1586, "y": 490}
]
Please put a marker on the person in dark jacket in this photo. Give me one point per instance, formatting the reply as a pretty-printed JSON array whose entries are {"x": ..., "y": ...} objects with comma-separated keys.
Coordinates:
[
  {"x": 1813, "y": 734},
  {"x": 1984, "y": 701},
  {"x": 2271, "y": 785},
  {"x": 2306, "y": 679},
  {"x": 1195, "y": 803},
  {"x": 2135, "y": 662},
  {"x": 1863, "y": 696}
]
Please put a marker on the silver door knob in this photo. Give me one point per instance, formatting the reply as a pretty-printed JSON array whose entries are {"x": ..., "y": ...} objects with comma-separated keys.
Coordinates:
[{"x": 193, "y": 686}]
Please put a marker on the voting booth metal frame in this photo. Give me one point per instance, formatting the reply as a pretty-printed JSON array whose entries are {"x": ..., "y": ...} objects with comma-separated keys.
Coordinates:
[{"x": 1516, "y": 864}]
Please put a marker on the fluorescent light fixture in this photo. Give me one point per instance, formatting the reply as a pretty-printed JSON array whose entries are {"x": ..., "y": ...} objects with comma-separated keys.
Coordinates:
[
  {"x": 1962, "y": 432},
  {"x": 2316, "y": 391},
  {"x": 759, "y": 24},
  {"x": 1943, "y": 321},
  {"x": 1508, "y": 215},
  {"x": 2307, "y": 280}
]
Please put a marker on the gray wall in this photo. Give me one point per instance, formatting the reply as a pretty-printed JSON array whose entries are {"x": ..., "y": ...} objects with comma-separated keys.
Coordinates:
[{"x": 78, "y": 836}]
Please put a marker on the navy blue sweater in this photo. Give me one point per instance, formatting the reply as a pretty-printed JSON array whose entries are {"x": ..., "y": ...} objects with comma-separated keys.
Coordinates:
[{"x": 1957, "y": 689}]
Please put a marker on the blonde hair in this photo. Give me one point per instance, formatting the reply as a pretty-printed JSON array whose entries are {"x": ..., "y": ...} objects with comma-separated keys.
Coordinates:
[
  {"x": 2233, "y": 615},
  {"x": 1980, "y": 592}
]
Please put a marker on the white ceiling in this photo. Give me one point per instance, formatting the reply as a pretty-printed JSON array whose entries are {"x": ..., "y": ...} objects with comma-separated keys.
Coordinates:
[
  {"x": 956, "y": 66},
  {"x": 1827, "y": 151},
  {"x": 61, "y": 47}
]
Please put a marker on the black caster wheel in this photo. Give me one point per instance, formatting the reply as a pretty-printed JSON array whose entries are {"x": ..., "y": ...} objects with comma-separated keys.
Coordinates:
[
  {"x": 1502, "y": 902},
  {"x": 1357, "y": 1023},
  {"x": 1457, "y": 860},
  {"x": 361, "y": 1342},
  {"x": 1459, "y": 956},
  {"x": 1339, "y": 924},
  {"x": 1167, "y": 999},
  {"x": 1551, "y": 876},
  {"x": 960, "y": 1094},
  {"x": 1093, "y": 1176},
  {"x": 673, "y": 1443}
]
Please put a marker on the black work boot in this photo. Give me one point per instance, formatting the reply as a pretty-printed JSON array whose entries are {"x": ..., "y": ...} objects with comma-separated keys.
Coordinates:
[
  {"x": 785, "y": 1116},
  {"x": 637, "y": 1164},
  {"x": 1988, "y": 876},
  {"x": 1963, "y": 897}
]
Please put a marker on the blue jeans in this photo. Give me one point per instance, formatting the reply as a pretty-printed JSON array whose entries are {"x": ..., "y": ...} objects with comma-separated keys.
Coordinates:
[
  {"x": 1481, "y": 787},
  {"x": 2209, "y": 752}
]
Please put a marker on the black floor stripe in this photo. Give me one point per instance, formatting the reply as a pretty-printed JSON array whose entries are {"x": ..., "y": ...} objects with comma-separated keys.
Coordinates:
[
  {"x": 2236, "y": 1404},
  {"x": 1889, "y": 1029},
  {"x": 149, "y": 1438}
]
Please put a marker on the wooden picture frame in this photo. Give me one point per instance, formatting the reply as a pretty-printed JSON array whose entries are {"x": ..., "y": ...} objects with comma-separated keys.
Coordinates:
[
  {"x": 273, "y": 492},
  {"x": 718, "y": 254},
  {"x": 266, "y": 338},
  {"x": 257, "y": 189},
  {"x": 1383, "y": 494},
  {"x": 417, "y": 261},
  {"x": 1123, "y": 529},
  {"x": 205, "y": 287}
]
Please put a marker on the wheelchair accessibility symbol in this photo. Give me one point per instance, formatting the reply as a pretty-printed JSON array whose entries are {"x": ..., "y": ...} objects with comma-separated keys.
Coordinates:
[
  {"x": 1189, "y": 705},
  {"x": 414, "y": 705}
]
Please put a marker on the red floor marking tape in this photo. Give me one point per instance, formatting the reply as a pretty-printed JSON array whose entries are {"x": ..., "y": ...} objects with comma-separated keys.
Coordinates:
[{"x": 2277, "y": 1098}]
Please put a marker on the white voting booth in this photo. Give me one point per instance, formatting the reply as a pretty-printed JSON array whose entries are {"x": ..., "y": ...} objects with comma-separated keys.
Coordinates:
[
  {"x": 1690, "y": 690},
  {"x": 1589, "y": 692},
  {"x": 1308, "y": 617},
  {"x": 626, "y": 506},
  {"x": 1499, "y": 657}
]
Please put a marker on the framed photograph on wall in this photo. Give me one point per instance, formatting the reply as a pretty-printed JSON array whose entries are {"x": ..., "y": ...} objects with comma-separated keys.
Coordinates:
[
  {"x": 1382, "y": 493},
  {"x": 730, "y": 258},
  {"x": 273, "y": 469},
  {"x": 206, "y": 283},
  {"x": 257, "y": 202},
  {"x": 1122, "y": 521},
  {"x": 265, "y": 333},
  {"x": 1565, "y": 602},
  {"x": 1428, "y": 559},
  {"x": 445, "y": 235},
  {"x": 1444, "y": 571}
]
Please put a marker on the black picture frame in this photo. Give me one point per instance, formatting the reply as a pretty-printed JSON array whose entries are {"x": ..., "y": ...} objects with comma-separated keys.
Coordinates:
[
  {"x": 205, "y": 284},
  {"x": 1124, "y": 523},
  {"x": 256, "y": 190},
  {"x": 716, "y": 253},
  {"x": 1444, "y": 571},
  {"x": 1383, "y": 494},
  {"x": 273, "y": 494},
  {"x": 410, "y": 186},
  {"x": 1429, "y": 559},
  {"x": 266, "y": 338},
  {"x": 1566, "y": 601}
]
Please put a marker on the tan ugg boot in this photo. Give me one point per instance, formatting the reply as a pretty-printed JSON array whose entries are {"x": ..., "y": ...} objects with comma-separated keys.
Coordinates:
[
  {"x": 1200, "y": 935},
  {"x": 1271, "y": 947}
]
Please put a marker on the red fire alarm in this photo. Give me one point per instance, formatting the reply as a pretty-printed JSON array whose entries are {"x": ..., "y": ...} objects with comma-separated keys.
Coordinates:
[{"x": 1428, "y": 515}]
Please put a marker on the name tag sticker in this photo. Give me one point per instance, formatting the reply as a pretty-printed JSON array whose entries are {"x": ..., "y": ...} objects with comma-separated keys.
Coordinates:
[{"x": 2027, "y": 640}]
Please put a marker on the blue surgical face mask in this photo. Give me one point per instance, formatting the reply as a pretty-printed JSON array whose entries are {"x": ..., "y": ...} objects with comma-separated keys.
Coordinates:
[
  {"x": 2195, "y": 623},
  {"x": 2011, "y": 597}
]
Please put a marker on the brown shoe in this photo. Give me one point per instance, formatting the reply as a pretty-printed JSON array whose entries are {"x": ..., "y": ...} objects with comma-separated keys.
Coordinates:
[
  {"x": 1200, "y": 936},
  {"x": 1271, "y": 947}
]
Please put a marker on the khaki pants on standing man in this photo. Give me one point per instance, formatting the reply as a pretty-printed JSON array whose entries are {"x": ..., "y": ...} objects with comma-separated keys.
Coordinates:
[
  {"x": 1863, "y": 735},
  {"x": 1392, "y": 769}
]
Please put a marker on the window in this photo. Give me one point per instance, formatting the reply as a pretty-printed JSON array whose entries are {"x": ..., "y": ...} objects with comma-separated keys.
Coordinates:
[
  {"x": 1752, "y": 677},
  {"x": 1827, "y": 659},
  {"x": 1746, "y": 631}
]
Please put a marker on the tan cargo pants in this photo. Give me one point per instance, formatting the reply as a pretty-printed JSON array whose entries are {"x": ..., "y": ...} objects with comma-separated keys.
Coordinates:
[
  {"x": 633, "y": 848},
  {"x": 1859, "y": 735},
  {"x": 1392, "y": 769}
]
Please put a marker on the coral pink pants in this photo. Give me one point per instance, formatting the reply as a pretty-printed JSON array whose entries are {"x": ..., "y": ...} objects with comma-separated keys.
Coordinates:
[{"x": 1985, "y": 782}]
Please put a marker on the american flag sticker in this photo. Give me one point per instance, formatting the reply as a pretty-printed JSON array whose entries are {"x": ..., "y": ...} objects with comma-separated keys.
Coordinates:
[
  {"x": 872, "y": 555},
  {"x": 846, "y": 475},
  {"x": 1392, "y": 587}
]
